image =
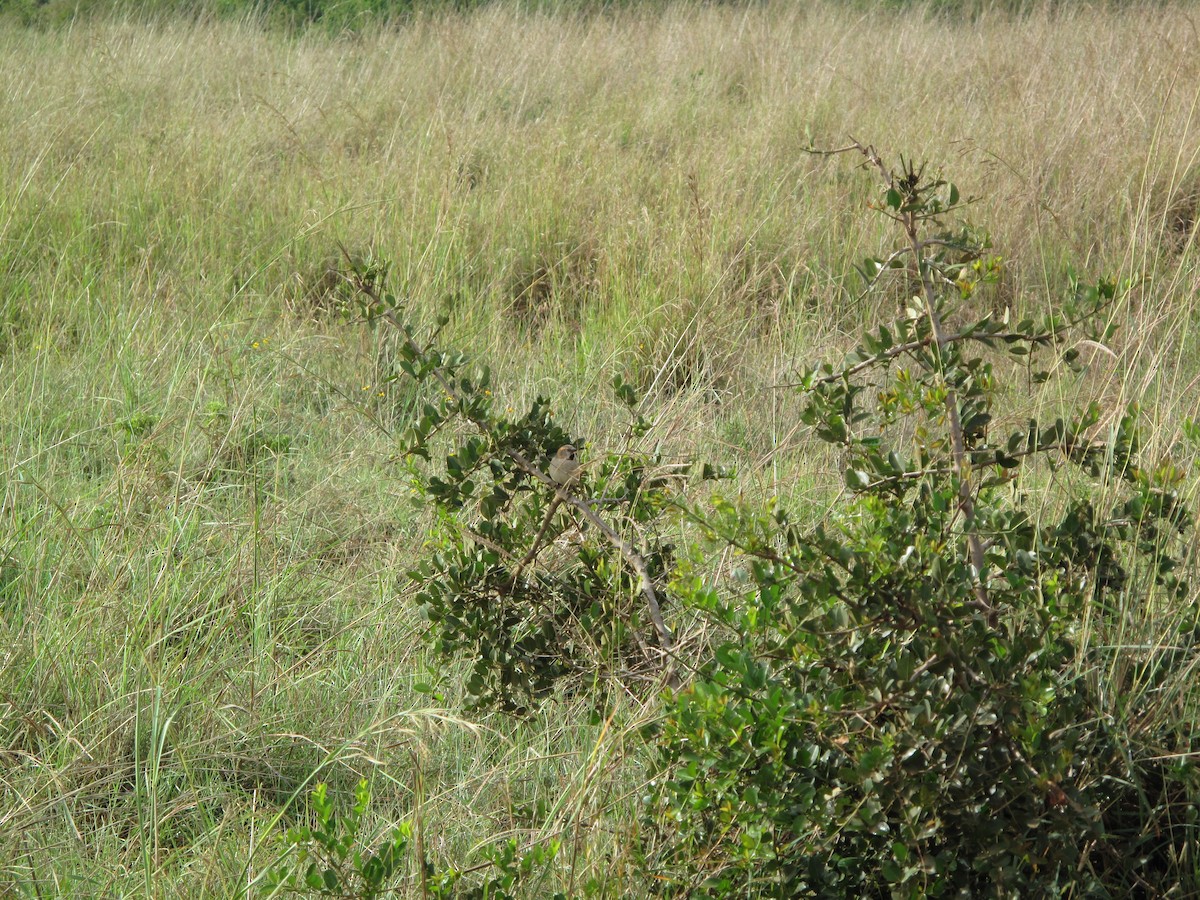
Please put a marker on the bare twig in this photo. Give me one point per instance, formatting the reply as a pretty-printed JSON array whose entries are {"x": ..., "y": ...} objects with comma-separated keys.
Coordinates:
[{"x": 537, "y": 541}]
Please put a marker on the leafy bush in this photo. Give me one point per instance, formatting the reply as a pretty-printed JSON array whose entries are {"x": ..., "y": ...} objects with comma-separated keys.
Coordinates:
[
  {"x": 906, "y": 699},
  {"x": 328, "y": 859},
  {"x": 525, "y": 577}
]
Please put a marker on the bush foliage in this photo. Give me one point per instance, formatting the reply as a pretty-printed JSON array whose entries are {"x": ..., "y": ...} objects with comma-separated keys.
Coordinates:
[
  {"x": 485, "y": 585},
  {"x": 903, "y": 699}
]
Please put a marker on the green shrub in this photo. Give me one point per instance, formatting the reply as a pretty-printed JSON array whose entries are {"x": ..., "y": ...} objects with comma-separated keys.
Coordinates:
[
  {"x": 533, "y": 582},
  {"x": 906, "y": 700},
  {"x": 328, "y": 858}
]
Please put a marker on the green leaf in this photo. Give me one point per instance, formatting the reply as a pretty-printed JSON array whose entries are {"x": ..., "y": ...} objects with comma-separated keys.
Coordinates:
[
  {"x": 857, "y": 479},
  {"x": 313, "y": 877}
]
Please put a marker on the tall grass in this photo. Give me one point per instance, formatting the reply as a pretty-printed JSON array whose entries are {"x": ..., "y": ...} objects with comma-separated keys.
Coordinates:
[{"x": 203, "y": 526}]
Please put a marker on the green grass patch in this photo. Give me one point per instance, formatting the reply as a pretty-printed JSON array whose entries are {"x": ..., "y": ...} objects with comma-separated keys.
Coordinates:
[{"x": 204, "y": 524}]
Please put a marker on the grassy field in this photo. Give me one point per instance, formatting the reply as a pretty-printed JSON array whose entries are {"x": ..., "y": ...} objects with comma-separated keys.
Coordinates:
[{"x": 204, "y": 526}]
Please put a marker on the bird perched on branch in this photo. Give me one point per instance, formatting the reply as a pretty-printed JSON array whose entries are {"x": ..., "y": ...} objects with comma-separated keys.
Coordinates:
[
  {"x": 563, "y": 471},
  {"x": 564, "y": 468}
]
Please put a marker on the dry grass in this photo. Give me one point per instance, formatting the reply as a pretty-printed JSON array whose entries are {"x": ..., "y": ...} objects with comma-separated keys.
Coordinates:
[{"x": 198, "y": 598}]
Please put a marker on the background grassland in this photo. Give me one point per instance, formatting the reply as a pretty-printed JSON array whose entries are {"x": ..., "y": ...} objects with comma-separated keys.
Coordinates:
[{"x": 203, "y": 525}]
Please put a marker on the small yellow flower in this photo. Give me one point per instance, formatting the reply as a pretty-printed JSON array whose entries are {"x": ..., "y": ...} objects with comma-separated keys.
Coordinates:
[
  {"x": 366, "y": 387},
  {"x": 255, "y": 345}
]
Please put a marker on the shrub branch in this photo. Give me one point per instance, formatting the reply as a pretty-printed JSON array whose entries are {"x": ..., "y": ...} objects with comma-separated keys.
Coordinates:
[{"x": 635, "y": 561}]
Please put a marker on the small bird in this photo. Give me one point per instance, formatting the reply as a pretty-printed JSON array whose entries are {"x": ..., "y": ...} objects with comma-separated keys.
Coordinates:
[
  {"x": 563, "y": 471},
  {"x": 564, "y": 468}
]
